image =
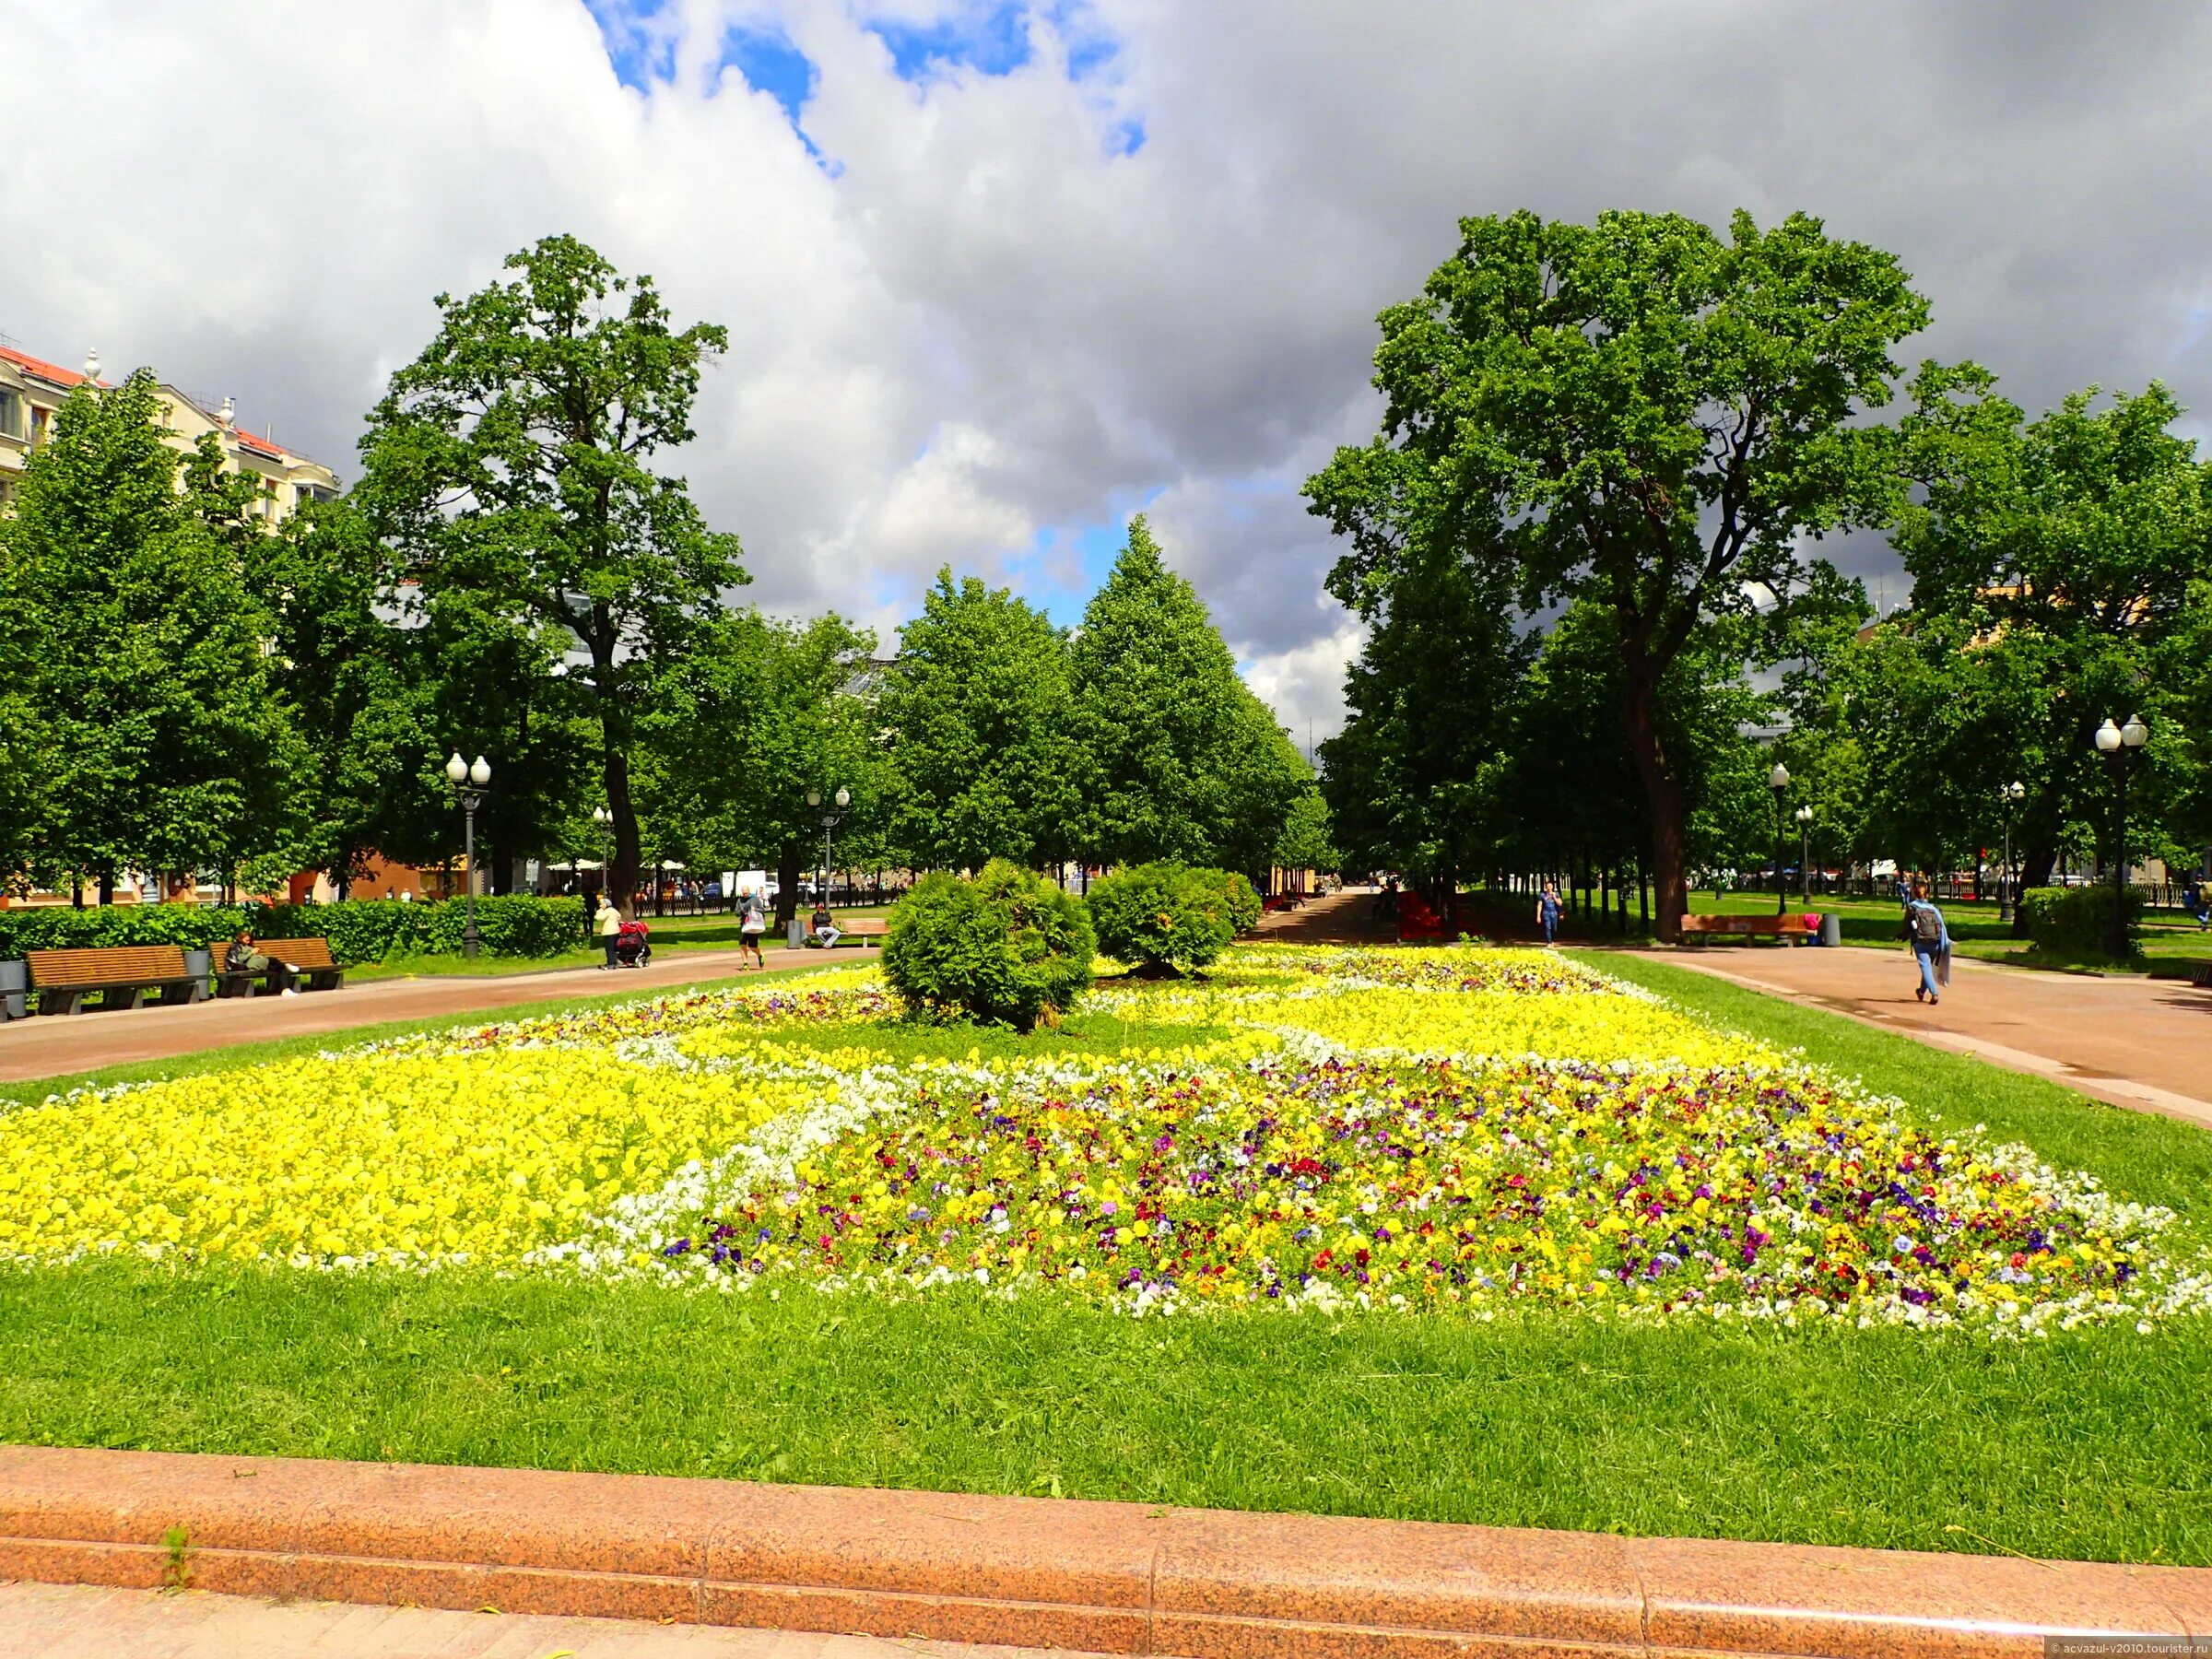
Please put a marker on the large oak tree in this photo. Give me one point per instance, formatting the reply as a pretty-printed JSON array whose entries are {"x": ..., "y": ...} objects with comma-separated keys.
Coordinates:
[
  {"x": 511, "y": 465},
  {"x": 1638, "y": 414}
]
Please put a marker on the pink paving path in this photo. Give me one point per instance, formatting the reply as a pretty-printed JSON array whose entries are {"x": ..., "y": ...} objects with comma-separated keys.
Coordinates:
[
  {"x": 50, "y": 1046},
  {"x": 2146, "y": 1043},
  {"x": 86, "y": 1621}
]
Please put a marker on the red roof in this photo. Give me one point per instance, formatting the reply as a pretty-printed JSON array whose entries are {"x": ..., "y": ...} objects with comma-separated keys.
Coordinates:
[
  {"x": 44, "y": 369},
  {"x": 253, "y": 440}
]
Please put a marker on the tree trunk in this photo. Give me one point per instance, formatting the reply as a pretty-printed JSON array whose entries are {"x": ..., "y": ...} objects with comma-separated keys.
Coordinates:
[
  {"x": 1663, "y": 797},
  {"x": 107, "y": 888},
  {"x": 787, "y": 886},
  {"x": 622, "y": 877}
]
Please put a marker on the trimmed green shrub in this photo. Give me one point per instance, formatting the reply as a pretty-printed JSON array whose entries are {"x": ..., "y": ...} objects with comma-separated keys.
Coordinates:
[
  {"x": 360, "y": 930},
  {"x": 1158, "y": 917},
  {"x": 2077, "y": 921},
  {"x": 1006, "y": 949}
]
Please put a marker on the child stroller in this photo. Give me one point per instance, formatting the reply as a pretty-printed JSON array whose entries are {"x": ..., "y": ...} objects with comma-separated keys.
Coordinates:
[{"x": 632, "y": 947}]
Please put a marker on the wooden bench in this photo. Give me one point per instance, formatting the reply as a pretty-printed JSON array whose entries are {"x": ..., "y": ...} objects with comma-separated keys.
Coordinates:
[
  {"x": 1792, "y": 927},
  {"x": 859, "y": 930},
  {"x": 308, "y": 960},
  {"x": 120, "y": 976}
]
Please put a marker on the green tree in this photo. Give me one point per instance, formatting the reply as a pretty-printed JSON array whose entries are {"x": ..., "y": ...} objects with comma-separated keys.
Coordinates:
[
  {"x": 986, "y": 763},
  {"x": 1416, "y": 779},
  {"x": 512, "y": 463},
  {"x": 1637, "y": 413},
  {"x": 2065, "y": 551},
  {"x": 758, "y": 714},
  {"x": 161, "y": 742},
  {"x": 1185, "y": 763},
  {"x": 1306, "y": 842},
  {"x": 353, "y": 683}
]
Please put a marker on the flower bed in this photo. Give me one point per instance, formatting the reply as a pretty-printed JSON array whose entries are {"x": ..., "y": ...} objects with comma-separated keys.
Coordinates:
[{"x": 1464, "y": 1130}]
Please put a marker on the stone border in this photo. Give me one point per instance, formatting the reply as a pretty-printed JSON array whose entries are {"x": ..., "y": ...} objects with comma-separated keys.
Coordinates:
[{"x": 1110, "y": 1577}]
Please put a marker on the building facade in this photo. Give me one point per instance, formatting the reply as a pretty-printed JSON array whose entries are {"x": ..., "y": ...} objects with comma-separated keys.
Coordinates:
[{"x": 34, "y": 390}]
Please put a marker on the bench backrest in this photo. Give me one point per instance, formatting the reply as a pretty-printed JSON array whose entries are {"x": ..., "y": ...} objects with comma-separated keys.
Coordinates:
[
  {"x": 111, "y": 965},
  {"x": 866, "y": 925},
  {"x": 303, "y": 954},
  {"x": 1790, "y": 923}
]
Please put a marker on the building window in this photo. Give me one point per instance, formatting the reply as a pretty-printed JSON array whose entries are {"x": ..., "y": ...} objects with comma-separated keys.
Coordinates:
[{"x": 11, "y": 416}]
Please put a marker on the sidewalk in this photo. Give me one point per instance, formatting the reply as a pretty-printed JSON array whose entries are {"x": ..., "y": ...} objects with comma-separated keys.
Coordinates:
[
  {"x": 2145, "y": 1043},
  {"x": 51, "y": 1046},
  {"x": 84, "y": 1621}
]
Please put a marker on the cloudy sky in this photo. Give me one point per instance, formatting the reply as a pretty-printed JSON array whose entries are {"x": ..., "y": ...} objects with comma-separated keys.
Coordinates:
[{"x": 997, "y": 275}]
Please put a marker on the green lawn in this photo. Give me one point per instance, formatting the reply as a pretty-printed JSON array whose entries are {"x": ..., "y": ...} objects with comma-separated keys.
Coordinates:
[
  {"x": 1976, "y": 930},
  {"x": 2093, "y": 1445}
]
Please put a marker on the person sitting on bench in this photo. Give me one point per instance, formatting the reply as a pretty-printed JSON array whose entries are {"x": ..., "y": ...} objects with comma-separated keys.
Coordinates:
[
  {"x": 825, "y": 930},
  {"x": 243, "y": 955}
]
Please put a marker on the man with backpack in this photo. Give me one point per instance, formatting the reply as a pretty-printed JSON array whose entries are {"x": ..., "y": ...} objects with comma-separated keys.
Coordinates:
[{"x": 1930, "y": 942}]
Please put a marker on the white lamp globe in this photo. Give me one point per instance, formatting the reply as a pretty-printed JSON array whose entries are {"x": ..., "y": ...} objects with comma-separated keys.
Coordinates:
[
  {"x": 1779, "y": 778},
  {"x": 457, "y": 769},
  {"x": 2135, "y": 734},
  {"x": 480, "y": 774},
  {"x": 2108, "y": 738},
  {"x": 844, "y": 797}
]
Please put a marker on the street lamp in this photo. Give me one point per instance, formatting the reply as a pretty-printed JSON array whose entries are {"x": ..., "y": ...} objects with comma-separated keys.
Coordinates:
[
  {"x": 1779, "y": 781},
  {"x": 830, "y": 819},
  {"x": 2012, "y": 795},
  {"x": 1804, "y": 862},
  {"x": 469, "y": 781},
  {"x": 2119, "y": 745},
  {"x": 604, "y": 820}
]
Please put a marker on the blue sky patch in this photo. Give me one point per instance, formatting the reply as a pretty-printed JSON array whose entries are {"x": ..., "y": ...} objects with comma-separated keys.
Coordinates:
[
  {"x": 639, "y": 52},
  {"x": 993, "y": 40},
  {"x": 770, "y": 63}
]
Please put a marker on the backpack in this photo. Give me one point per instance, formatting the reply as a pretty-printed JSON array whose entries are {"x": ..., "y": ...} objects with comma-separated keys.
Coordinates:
[{"x": 1927, "y": 924}]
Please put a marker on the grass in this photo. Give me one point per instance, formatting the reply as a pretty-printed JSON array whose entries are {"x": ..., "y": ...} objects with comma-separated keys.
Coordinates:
[{"x": 2081, "y": 1445}]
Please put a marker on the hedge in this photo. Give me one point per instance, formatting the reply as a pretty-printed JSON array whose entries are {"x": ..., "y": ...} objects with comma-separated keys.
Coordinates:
[
  {"x": 1157, "y": 916},
  {"x": 360, "y": 930},
  {"x": 2077, "y": 921}
]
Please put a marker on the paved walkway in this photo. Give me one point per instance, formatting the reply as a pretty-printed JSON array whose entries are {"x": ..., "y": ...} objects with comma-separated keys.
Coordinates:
[
  {"x": 48, "y": 1047},
  {"x": 2146, "y": 1043},
  {"x": 85, "y": 1621}
]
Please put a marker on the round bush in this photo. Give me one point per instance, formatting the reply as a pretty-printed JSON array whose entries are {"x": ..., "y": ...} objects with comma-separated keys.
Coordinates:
[
  {"x": 1158, "y": 917},
  {"x": 1005, "y": 947}
]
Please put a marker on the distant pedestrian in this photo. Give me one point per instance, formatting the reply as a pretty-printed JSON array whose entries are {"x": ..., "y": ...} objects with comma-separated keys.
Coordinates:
[
  {"x": 751, "y": 928},
  {"x": 607, "y": 920},
  {"x": 2197, "y": 901},
  {"x": 1930, "y": 943},
  {"x": 1548, "y": 913}
]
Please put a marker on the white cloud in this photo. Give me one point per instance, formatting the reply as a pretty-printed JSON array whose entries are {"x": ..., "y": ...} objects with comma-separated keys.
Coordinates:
[{"x": 965, "y": 320}]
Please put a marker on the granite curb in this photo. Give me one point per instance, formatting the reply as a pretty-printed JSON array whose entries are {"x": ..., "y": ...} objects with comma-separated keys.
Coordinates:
[{"x": 1118, "y": 1577}]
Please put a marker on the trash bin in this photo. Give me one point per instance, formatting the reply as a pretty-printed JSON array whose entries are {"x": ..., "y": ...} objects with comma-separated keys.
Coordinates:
[
  {"x": 797, "y": 939},
  {"x": 200, "y": 964},
  {"x": 15, "y": 979},
  {"x": 1831, "y": 928}
]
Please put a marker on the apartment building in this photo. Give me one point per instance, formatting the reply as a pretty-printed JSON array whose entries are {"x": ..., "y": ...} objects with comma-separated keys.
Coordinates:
[{"x": 32, "y": 390}]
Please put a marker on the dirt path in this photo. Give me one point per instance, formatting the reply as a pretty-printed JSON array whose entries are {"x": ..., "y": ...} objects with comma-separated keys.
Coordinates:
[{"x": 2146, "y": 1043}]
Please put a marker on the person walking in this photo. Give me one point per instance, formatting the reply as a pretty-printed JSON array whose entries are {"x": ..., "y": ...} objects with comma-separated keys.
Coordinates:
[
  {"x": 607, "y": 920},
  {"x": 1930, "y": 943},
  {"x": 1548, "y": 913},
  {"x": 750, "y": 930}
]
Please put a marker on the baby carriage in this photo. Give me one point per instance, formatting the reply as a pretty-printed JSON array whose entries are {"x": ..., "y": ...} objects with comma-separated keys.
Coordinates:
[{"x": 632, "y": 947}]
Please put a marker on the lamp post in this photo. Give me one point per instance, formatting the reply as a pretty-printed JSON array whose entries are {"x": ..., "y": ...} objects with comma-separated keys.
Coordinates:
[
  {"x": 830, "y": 819},
  {"x": 605, "y": 820},
  {"x": 469, "y": 781},
  {"x": 2012, "y": 795},
  {"x": 1805, "y": 859},
  {"x": 2119, "y": 745},
  {"x": 1779, "y": 781}
]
